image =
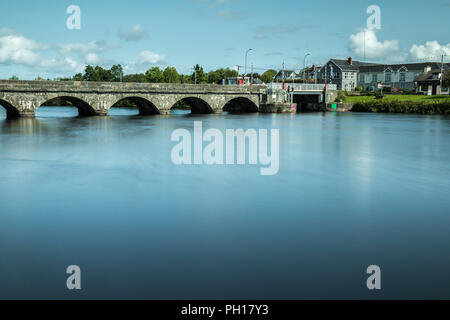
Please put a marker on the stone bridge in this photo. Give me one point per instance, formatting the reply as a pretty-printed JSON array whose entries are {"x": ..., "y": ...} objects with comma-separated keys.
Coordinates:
[{"x": 23, "y": 98}]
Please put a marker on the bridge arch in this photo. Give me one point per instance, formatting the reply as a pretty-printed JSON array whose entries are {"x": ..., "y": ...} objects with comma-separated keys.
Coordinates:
[
  {"x": 197, "y": 105},
  {"x": 84, "y": 108},
  {"x": 240, "y": 105},
  {"x": 145, "y": 106},
  {"x": 11, "y": 111}
]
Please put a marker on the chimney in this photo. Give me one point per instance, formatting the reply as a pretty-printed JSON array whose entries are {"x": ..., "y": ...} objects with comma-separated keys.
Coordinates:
[
  {"x": 350, "y": 61},
  {"x": 427, "y": 69}
]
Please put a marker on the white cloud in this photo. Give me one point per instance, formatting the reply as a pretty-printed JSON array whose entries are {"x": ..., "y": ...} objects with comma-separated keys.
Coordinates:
[
  {"x": 83, "y": 48},
  {"x": 92, "y": 58},
  {"x": 16, "y": 49},
  {"x": 431, "y": 50},
  {"x": 59, "y": 59},
  {"x": 367, "y": 44},
  {"x": 134, "y": 34},
  {"x": 148, "y": 57}
]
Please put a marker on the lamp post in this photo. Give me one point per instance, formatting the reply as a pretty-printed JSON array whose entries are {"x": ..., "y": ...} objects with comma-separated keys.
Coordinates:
[
  {"x": 246, "y": 56},
  {"x": 304, "y": 65},
  {"x": 442, "y": 72}
]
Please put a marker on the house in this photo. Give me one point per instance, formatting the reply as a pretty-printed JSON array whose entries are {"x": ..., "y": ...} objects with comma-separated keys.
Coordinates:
[
  {"x": 396, "y": 76},
  {"x": 283, "y": 75},
  {"x": 341, "y": 72},
  {"x": 429, "y": 82},
  {"x": 238, "y": 81},
  {"x": 348, "y": 74},
  {"x": 311, "y": 72}
]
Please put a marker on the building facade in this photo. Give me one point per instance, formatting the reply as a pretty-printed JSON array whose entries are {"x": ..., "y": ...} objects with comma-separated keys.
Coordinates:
[
  {"x": 396, "y": 76},
  {"x": 341, "y": 72},
  {"x": 349, "y": 74}
]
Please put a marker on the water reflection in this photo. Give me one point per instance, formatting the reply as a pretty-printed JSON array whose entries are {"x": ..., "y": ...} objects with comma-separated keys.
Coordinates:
[{"x": 102, "y": 192}]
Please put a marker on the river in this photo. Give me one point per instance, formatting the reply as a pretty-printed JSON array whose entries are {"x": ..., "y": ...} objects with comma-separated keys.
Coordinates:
[{"x": 353, "y": 190}]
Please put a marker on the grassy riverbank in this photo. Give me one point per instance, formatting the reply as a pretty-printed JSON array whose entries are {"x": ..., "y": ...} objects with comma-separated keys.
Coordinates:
[
  {"x": 398, "y": 97},
  {"x": 415, "y": 104}
]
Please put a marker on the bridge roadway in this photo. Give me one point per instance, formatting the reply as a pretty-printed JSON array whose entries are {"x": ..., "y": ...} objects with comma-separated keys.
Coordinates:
[{"x": 22, "y": 98}]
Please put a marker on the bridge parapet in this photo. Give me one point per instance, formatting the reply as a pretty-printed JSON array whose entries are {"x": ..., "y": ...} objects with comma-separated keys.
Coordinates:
[
  {"x": 22, "y": 98},
  {"x": 302, "y": 86},
  {"x": 122, "y": 87}
]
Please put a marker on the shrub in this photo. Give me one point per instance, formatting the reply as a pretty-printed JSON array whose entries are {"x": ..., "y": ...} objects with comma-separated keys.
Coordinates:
[
  {"x": 341, "y": 97},
  {"x": 379, "y": 95},
  {"x": 358, "y": 89},
  {"x": 396, "y": 106}
]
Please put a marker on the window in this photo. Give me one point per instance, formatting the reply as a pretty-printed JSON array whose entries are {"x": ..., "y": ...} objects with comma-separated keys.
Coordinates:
[
  {"x": 402, "y": 77},
  {"x": 387, "y": 77},
  {"x": 374, "y": 78}
]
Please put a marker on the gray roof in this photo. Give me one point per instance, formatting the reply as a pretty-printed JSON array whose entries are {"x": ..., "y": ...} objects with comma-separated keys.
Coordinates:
[
  {"x": 409, "y": 66},
  {"x": 287, "y": 74},
  {"x": 428, "y": 76},
  {"x": 344, "y": 65}
]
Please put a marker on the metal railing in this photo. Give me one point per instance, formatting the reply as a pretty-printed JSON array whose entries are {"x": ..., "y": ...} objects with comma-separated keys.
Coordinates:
[{"x": 301, "y": 86}]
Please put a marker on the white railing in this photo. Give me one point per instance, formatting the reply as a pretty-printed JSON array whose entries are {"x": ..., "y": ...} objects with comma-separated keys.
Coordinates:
[{"x": 301, "y": 86}]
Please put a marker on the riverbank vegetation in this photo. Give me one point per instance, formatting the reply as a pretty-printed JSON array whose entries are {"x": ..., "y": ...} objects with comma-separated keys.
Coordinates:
[
  {"x": 438, "y": 105},
  {"x": 397, "y": 97}
]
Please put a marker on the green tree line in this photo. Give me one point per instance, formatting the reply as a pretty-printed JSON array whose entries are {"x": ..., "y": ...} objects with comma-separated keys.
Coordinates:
[
  {"x": 167, "y": 75},
  {"x": 158, "y": 75}
]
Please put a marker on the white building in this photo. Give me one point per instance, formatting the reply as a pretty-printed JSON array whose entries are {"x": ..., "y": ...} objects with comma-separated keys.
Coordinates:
[{"x": 395, "y": 76}]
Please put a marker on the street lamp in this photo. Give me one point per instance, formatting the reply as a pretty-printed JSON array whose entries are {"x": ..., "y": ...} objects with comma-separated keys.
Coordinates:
[
  {"x": 442, "y": 72},
  {"x": 246, "y": 56},
  {"x": 304, "y": 65}
]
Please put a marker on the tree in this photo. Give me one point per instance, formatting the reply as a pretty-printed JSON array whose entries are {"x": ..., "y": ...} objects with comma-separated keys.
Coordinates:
[
  {"x": 139, "y": 78},
  {"x": 446, "y": 79},
  {"x": 171, "y": 75},
  {"x": 116, "y": 72},
  {"x": 186, "y": 79},
  {"x": 268, "y": 76},
  {"x": 78, "y": 77},
  {"x": 154, "y": 75},
  {"x": 230, "y": 73},
  {"x": 200, "y": 75},
  {"x": 215, "y": 76},
  {"x": 97, "y": 73},
  {"x": 218, "y": 75},
  {"x": 14, "y": 78}
]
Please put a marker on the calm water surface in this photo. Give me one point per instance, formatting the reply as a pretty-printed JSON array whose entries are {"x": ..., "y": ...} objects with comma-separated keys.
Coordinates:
[{"x": 353, "y": 190}]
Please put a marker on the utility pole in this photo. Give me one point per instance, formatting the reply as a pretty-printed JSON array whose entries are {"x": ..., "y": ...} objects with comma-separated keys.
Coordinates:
[
  {"x": 304, "y": 66},
  {"x": 364, "y": 45},
  {"x": 246, "y": 56},
  {"x": 325, "y": 89},
  {"x": 293, "y": 85},
  {"x": 251, "y": 77},
  {"x": 442, "y": 71}
]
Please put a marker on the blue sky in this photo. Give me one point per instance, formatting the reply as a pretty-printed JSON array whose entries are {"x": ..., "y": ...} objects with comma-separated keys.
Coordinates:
[{"x": 34, "y": 39}]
